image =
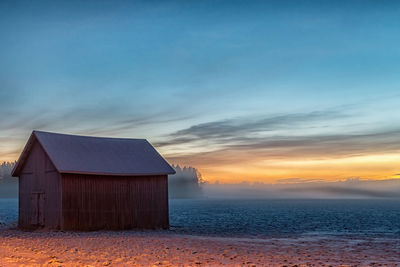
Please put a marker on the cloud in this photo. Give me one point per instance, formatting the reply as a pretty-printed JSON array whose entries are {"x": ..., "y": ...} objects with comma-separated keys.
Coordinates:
[
  {"x": 90, "y": 119},
  {"x": 236, "y": 129},
  {"x": 297, "y": 180},
  {"x": 284, "y": 136},
  {"x": 106, "y": 120},
  {"x": 294, "y": 147}
]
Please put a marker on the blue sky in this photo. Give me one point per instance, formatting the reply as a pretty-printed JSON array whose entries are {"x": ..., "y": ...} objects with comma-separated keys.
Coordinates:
[{"x": 184, "y": 74}]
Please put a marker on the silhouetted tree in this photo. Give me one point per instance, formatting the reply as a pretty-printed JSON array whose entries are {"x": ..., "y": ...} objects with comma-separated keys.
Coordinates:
[
  {"x": 186, "y": 183},
  {"x": 8, "y": 184}
]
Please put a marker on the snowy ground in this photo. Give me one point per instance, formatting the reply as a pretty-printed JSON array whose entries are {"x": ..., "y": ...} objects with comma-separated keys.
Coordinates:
[
  {"x": 213, "y": 236},
  {"x": 164, "y": 248}
]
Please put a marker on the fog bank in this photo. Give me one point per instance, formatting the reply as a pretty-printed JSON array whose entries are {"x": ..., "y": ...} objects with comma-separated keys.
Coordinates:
[{"x": 298, "y": 188}]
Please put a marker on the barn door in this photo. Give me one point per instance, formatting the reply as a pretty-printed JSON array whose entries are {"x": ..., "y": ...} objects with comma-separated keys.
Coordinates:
[{"x": 37, "y": 204}]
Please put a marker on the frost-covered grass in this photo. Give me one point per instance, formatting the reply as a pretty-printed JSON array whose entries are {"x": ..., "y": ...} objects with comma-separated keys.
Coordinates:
[
  {"x": 264, "y": 218},
  {"x": 285, "y": 218},
  {"x": 8, "y": 212},
  {"x": 193, "y": 242}
]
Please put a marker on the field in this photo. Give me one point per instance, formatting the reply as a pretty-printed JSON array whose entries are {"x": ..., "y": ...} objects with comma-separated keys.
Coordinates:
[{"x": 179, "y": 247}]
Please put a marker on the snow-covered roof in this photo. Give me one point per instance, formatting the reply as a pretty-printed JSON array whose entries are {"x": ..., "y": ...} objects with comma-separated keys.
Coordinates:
[{"x": 97, "y": 155}]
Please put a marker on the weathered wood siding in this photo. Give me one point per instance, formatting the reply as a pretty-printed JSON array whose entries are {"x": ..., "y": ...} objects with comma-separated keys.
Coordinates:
[
  {"x": 39, "y": 192},
  {"x": 92, "y": 202}
]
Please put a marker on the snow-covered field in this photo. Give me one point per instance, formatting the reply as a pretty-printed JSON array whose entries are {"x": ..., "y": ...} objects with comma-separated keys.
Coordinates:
[
  {"x": 211, "y": 245},
  {"x": 169, "y": 249}
]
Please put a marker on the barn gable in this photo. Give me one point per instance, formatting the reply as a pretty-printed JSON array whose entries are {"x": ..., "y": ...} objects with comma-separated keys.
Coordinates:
[{"x": 39, "y": 190}]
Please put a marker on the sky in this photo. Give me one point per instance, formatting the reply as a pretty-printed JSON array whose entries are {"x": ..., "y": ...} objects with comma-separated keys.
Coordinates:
[{"x": 255, "y": 91}]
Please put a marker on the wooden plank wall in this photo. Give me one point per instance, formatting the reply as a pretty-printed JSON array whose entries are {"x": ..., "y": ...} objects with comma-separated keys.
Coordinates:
[
  {"x": 93, "y": 202},
  {"x": 39, "y": 178}
]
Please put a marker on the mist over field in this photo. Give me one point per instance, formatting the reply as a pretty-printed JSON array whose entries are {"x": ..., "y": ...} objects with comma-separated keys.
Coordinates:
[
  {"x": 8, "y": 184},
  {"x": 188, "y": 183},
  {"x": 185, "y": 183},
  {"x": 298, "y": 188}
]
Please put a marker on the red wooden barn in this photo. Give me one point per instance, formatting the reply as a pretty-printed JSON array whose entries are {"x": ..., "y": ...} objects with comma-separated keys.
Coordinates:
[{"x": 73, "y": 182}]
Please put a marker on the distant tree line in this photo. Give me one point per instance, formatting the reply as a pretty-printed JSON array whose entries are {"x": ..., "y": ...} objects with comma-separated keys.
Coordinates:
[
  {"x": 5, "y": 171},
  {"x": 186, "y": 183},
  {"x": 8, "y": 184}
]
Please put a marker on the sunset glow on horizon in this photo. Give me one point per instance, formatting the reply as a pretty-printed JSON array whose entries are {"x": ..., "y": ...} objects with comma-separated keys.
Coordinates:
[{"x": 244, "y": 92}]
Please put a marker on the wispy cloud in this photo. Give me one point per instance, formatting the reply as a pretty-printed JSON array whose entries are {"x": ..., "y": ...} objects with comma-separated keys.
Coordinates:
[
  {"x": 243, "y": 149},
  {"x": 319, "y": 134},
  {"x": 297, "y": 180},
  {"x": 100, "y": 120},
  {"x": 239, "y": 128}
]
